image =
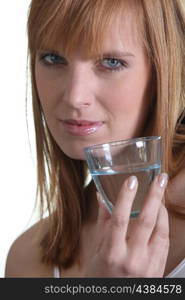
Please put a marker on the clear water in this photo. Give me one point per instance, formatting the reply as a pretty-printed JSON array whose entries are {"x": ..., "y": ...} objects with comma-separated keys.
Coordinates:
[{"x": 109, "y": 181}]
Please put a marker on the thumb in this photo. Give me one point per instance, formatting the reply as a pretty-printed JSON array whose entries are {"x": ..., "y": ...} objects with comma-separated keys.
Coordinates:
[{"x": 103, "y": 213}]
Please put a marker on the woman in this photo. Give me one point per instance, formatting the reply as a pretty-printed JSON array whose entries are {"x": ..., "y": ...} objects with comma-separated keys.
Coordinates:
[{"x": 104, "y": 70}]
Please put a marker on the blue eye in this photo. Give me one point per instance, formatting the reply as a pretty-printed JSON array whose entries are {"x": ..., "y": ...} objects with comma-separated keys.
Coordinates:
[
  {"x": 51, "y": 59},
  {"x": 113, "y": 64}
]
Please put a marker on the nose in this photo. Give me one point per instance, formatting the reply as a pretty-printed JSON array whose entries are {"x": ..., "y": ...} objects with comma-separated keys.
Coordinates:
[{"x": 78, "y": 89}]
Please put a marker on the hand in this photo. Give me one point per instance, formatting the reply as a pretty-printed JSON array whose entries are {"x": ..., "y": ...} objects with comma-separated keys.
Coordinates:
[
  {"x": 144, "y": 253},
  {"x": 175, "y": 192}
]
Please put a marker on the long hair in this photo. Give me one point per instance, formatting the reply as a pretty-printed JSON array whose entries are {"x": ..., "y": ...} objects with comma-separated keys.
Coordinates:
[{"x": 61, "y": 180}]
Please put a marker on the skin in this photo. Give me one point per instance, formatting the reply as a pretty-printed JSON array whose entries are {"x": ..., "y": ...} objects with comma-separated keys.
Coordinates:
[
  {"x": 144, "y": 252},
  {"x": 84, "y": 88},
  {"x": 92, "y": 89},
  {"x": 176, "y": 191}
]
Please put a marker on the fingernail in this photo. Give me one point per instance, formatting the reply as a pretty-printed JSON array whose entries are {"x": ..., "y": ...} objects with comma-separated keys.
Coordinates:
[
  {"x": 132, "y": 181},
  {"x": 163, "y": 179}
]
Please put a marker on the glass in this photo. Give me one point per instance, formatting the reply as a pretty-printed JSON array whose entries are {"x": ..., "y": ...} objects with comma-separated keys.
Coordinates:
[{"x": 111, "y": 163}]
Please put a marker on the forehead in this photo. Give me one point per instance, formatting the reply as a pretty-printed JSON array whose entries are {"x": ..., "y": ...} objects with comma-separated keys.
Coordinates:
[
  {"x": 121, "y": 29},
  {"x": 120, "y": 36},
  {"x": 122, "y": 33}
]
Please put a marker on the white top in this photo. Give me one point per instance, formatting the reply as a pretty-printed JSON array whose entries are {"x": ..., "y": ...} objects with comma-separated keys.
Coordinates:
[
  {"x": 178, "y": 272},
  {"x": 56, "y": 272}
]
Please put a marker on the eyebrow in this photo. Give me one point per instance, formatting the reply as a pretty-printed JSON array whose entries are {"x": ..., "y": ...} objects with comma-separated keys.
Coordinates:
[
  {"x": 117, "y": 54},
  {"x": 113, "y": 53}
]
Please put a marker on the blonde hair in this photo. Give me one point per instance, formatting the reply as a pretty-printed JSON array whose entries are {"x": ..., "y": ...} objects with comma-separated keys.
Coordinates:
[{"x": 162, "y": 26}]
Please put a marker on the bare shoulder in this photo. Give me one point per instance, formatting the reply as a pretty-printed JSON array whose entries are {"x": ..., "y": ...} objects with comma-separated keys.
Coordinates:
[{"x": 24, "y": 256}]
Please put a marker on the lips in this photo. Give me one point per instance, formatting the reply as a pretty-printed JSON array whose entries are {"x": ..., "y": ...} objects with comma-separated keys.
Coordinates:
[
  {"x": 81, "y": 127},
  {"x": 80, "y": 122}
]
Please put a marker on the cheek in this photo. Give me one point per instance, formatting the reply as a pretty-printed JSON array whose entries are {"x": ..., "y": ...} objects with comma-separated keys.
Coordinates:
[
  {"x": 47, "y": 91},
  {"x": 127, "y": 102},
  {"x": 125, "y": 97}
]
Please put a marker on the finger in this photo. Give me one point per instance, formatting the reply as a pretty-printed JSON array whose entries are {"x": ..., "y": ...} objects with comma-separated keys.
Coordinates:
[
  {"x": 159, "y": 241},
  {"x": 149, "y": 212},
  {"x": 160, "y": 234},
  {"x": 122, "y": 210}
]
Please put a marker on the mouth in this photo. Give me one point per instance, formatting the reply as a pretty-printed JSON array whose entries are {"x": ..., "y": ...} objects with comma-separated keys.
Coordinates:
[{"x": 81, "y": 127}]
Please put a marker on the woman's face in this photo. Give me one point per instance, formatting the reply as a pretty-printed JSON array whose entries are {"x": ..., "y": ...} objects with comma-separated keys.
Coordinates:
[{"x": 89, "y": 101}]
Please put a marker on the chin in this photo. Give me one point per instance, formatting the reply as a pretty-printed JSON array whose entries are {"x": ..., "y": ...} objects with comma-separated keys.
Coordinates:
[
  {"x": 76, "y": 156},
  {"x": 73, "y": 153}
]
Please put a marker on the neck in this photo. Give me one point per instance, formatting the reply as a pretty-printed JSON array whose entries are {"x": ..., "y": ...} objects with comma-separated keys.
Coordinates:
[{"x": 177, "y": 243}]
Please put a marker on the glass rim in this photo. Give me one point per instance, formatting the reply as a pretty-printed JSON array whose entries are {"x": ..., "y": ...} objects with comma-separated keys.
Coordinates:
[{"x": 117, "y": 143}]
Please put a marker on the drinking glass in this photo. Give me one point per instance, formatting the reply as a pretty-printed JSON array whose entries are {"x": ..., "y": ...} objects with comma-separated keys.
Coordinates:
[{"x": 111, "y": 163}]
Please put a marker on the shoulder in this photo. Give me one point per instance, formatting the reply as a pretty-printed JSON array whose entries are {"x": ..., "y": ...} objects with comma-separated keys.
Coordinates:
[{"x": 24, "y": 256}]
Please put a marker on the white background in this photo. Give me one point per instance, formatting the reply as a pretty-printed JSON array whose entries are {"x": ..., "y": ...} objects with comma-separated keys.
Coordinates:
[{"x": 17, "y": 161}]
